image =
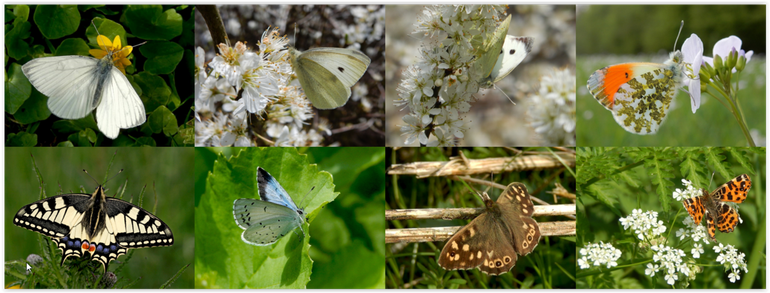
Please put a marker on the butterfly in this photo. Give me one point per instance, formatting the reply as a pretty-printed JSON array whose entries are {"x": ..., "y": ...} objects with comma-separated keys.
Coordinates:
[
  {"x": 500, "y": 54},
  {"x": 492, "y": 240},
  {"x": 640, "y": 94},
  {"x": 326, "y": 74},
  {"x": 269, "y": 218},
  {"x": 718, "y": 214},
  {"x": 104, "y": 227},
  {"x": 77, "y": 85}
]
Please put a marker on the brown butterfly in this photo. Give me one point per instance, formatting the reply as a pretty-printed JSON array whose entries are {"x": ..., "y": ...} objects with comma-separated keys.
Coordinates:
[{"x": 492, "y": 240}]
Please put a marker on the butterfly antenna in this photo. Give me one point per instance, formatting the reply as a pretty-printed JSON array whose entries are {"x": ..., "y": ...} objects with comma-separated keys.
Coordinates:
[
  {"x": 712, "y": 179},
  {"x": 509, "y": 98},
  {"x": 305, "y": 197},
  {"x": 92, "y": 177},
  {"x": 97, "y": 32},
  {"x": 677, "y": 35}
]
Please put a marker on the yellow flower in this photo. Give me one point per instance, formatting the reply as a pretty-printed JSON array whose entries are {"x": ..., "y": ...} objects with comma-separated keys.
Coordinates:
[{"x": 118, "y": 54}]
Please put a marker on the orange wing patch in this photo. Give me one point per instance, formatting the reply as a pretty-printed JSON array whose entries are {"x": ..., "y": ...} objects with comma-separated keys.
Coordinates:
[{"x": 718, "y": 214}]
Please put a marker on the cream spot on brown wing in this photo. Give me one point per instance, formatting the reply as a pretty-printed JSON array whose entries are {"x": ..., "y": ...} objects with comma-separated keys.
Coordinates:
[
  {"x": 524, "y": 210},
  {"x": 466, "y": 247},
  {"x": 518, "y": 197},
  {"x": 507, "y": 259},
  {"x": 525, "y": 226},
  {"x": 471, "y": 258},
  {"x": 457, "y": 256},
  {"x": 478, "y": 255},
  {"x": 490, "y": 253},
  {"x": 454, "y": 245},
  {"x": 486, "y": 263},
  {"x": 462, "y": 263},
  {"x": 524, "y": 244},
  {"x": 472, "y": 231}
]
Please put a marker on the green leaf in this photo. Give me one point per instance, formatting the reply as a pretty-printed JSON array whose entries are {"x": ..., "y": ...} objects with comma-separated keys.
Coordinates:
[
  {"x": 150, "y": 22},
  {"x": 224, "y": 259},
  {"x": 107, "y": 28},
  {"x": 161, "y": 120},
  {"x": 162, "y": 56},
  {"x": 85, "y": 137},
  {"x": 21, "y": 139},
  {"x": 145, "y": 141},
  {"x": 65, "y": 143},
  {"x": 21, "y": 13},
  {"x": 72, "y": 46},
  {"x": 17, "y": 89},
  {"x": 68, "y": 126},
  {"x": 34, "y": 109},
  {"x": 56, "y": 21},
  {"x": 154, "y": 89},
  {"x": 15, "y": 40}
]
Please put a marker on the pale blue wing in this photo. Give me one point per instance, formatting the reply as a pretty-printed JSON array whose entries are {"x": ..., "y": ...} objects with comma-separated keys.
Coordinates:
[
  {"x": 264, "y": 222},
  {"x": 271, "y": 191}
]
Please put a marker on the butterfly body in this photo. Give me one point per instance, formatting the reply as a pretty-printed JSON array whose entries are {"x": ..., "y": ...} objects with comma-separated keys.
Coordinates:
[
  {"x": 268, "y": 219},
  {"x": 640, "y": 94},
  {"x": 492, "y": 240},
  {"x": 104, "y": 227},
  {"x": 712, "y": 205}
]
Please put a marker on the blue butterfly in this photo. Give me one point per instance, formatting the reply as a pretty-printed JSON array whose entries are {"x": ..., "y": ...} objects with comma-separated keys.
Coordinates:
[{"x": 265, "y": 221}]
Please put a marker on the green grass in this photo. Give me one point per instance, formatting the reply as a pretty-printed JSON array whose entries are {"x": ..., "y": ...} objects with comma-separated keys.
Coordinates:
[{"x": 711, "y": 125}]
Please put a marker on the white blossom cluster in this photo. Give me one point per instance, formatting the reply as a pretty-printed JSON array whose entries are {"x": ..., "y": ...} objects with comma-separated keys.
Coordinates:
[
  {"x": 644, "y": 224},
  {"x": 688, "y": 192},
  {"x": 669, "y": 260},
  {"x": 552, "y": 109},
  {"x": 438, "y": 89},
  {"x": 692, "y": 230},
  {"x": 598, "y": 254},
  {"x": 733, "y": 261}
]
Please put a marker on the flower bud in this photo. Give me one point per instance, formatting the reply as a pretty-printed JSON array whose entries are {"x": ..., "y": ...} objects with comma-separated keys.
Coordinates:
[
  {"x": 708, "y": 69},
  {"x": 717, "y": 63},
  {"x": 731, "y": 59},
  {"x": 741, "y": 64}
]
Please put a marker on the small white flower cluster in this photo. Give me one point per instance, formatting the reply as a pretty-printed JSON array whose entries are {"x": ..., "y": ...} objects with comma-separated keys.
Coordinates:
[
  {"x": 599, "y": 254},
  {"x": 263, "y": 79},
  {"x": 552, "y": 110},
  {"x": 696, "y": 232},
  {"x": 670, "y": 261},
  {"x": 438, "y": 89},
  {"x": 732, "y": 260},
  {"x": 688, "y": 192},
  {"x": 645, "y": 224}
]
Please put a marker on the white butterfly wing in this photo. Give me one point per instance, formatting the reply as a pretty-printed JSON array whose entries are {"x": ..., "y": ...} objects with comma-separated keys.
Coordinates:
[
  {"x": 264, "y": 222},
  {"x": 487, "y": 53},
  {"x": 68, "y": 81},
  {"x": 326, "y": 74},
  {"x": 514, "y": 50},
  {"x": 120, "y": 107}
]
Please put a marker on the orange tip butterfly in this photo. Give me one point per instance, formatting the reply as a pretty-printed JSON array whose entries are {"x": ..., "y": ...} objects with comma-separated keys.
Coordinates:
[{"x": 639, "y": 94}]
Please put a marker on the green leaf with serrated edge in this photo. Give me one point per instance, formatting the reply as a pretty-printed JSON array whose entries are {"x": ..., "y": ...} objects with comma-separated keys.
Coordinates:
[
  {"x": 691, "y": 167},
  {"x": 284, "y": 264},
  {"x": 717, "y": 160},
  {"x": 739, "y": 154}
]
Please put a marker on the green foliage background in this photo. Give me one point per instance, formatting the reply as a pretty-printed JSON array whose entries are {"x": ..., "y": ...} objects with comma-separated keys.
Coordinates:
[
  {"x": 550, "y": 265},
  {"x": 166, "y": 173},
  {"x": 161, "y": 71},
  {"x": 649, "y": 29},
  {"x": 346, "y": 236},
  {"x": 613, "y": 181}
]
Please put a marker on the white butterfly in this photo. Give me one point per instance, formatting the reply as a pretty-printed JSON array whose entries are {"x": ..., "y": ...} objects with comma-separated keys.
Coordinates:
[
  {"x": 76, "y": 85},
  {"x": 265, "y": 221},
  {"x": 326, "y": 74},
  {"x": 498, "y": 56}
]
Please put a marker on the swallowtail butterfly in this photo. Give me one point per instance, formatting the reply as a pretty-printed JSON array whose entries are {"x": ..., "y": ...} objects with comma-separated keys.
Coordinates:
[{"x": 105, "y": 227}]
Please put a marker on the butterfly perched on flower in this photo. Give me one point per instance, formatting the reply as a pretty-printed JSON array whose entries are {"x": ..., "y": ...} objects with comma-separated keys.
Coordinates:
[
  {"x": 639, "y": 94},
  {"x": 718, "y": 214}
]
